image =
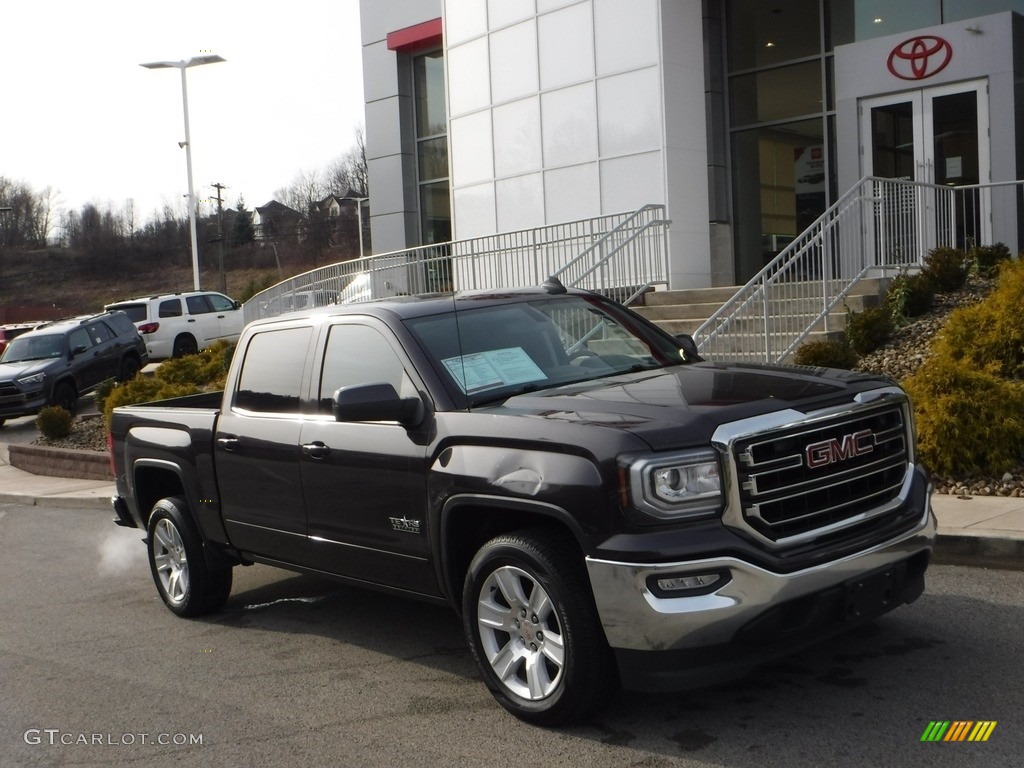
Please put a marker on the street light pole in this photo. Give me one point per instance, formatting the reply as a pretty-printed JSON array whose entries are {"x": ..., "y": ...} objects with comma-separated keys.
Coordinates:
[
  {"x": 195, "y": 61},
  {"x": 3, "y": 237},
  {"x": 359, "y": 216}
]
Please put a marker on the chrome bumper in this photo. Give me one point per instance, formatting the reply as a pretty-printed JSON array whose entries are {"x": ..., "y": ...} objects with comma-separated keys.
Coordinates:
[{"x": 636, "y": 619}]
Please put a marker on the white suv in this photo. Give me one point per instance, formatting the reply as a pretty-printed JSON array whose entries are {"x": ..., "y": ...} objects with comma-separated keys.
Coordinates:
[{"x": 176, "y": 324}]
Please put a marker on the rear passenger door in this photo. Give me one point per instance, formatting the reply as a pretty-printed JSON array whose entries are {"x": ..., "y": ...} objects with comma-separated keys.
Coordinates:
[
  {"x": 256, "y": 446},
  {"x": 202, "y": 322},
  {"x": 365, "y": 483}
]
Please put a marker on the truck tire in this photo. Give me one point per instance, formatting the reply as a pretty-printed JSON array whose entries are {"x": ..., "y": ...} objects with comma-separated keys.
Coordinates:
[
  {"x": 533, "y": 629},
  {"x": 185, "y": 344},
  {"x": 64, "y": 395},
  {"x": 187, "y": 585},
  {"x": 129, "y": 368}
]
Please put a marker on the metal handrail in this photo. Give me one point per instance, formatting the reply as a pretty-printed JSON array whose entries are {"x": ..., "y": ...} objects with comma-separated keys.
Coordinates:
[
  {"x": 623, "y": 254},
  {"x": 878, "y": 228}
]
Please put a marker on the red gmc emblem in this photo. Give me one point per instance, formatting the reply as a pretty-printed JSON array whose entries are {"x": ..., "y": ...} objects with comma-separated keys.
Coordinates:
[
  {"x": 834, "y": 450},
  {"x": 919, "y": 57}
]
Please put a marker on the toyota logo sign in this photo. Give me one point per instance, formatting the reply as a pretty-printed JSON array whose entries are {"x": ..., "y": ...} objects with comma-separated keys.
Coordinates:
[{"x": 919, "y": 57}]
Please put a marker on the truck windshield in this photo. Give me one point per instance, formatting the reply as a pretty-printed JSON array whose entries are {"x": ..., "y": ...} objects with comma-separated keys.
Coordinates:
[{"x": 493, "y": 352}]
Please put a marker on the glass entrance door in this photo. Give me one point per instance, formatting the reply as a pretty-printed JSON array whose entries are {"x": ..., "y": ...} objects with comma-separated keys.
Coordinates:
[{"x": 937, "y": 138}]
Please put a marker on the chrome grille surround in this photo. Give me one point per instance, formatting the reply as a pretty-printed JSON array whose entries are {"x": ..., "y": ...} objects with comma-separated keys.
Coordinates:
[{"x": 791, "y": 477}]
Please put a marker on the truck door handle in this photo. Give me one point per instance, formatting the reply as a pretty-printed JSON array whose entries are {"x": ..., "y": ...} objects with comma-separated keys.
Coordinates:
[
  {"x": 316, "y": 450},
  {"x": 227, "y": 443}
]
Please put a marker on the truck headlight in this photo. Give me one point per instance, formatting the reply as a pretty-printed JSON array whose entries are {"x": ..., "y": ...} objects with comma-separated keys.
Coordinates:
[
  {"x": 675, "y": 486},
  {"x": 35, "y": 380}
]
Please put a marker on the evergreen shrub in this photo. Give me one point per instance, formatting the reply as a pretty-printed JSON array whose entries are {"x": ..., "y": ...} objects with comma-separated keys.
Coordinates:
[
  {"x": 987, "y": 259},
  {"x": 969, "y": 420},
  {"x": 54, "y": 422},
  {"x": 946, "y": 267},
  {"x": 910, "y": 295},
  {"x": 868, "y": 330},
  {"x": 825, "y": 354}
]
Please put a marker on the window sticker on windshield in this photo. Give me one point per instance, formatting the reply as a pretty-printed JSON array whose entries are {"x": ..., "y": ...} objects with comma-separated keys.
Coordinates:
[{"x": 495, "y": 368}]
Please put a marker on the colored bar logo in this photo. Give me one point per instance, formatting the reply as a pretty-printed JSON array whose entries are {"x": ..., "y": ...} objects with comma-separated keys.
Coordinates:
[{"x": 958, "y": 730}]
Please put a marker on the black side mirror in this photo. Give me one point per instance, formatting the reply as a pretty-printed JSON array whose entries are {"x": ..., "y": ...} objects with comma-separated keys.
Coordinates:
[
  {"x": 376, "y": 402},
  {"x": 689, "y": 347}
]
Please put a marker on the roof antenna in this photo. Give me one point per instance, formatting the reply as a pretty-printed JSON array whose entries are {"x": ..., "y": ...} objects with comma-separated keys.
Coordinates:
[{"x": 553, "y": 285}]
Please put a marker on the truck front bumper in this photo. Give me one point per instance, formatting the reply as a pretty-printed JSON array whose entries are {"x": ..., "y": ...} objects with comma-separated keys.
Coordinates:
[{"x": 731, "y": 615}]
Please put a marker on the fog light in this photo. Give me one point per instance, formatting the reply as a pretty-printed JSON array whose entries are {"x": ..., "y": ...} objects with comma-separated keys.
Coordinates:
[{"x": 688, "y": 584}]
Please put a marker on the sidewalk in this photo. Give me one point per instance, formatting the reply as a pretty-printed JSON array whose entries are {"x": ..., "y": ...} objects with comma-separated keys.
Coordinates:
[{"x": 986, "y": 531}]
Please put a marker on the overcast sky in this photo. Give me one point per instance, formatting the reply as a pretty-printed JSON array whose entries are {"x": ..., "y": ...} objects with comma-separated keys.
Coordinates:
[{"x": 81, "y": 116}]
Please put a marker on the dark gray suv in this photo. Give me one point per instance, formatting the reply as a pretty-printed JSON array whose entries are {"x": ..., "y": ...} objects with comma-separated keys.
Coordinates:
[{"x": 58, "y": 362}]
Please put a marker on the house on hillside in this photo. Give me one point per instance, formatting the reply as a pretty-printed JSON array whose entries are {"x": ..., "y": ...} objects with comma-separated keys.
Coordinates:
[
  {"x": 276, "y": 221},
  {"x": 344, "y": 220}
]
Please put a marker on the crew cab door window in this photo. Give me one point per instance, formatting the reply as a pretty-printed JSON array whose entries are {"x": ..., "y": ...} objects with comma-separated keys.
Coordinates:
[
  {"x": 358, "y": 354},
  {"x": 271, "y": 378},
  {"x": 365, "y": 483}
]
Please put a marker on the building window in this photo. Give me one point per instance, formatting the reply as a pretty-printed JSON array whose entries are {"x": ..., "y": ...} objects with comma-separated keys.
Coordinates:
[{"x": 431, "y": 148}]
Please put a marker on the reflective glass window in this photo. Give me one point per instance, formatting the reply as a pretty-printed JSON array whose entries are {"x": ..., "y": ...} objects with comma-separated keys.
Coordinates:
[
  {"x": 762, "y": 34},
  {"x": 776, "y": 94}
]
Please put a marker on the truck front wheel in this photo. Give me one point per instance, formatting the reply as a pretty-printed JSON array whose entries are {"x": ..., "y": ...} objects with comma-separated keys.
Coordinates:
[
  {"x": 187, "y": 585},
  {"x": 533, "y": 628}
]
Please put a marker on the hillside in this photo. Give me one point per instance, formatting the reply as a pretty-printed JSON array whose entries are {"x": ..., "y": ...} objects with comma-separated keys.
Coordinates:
[{"x": 57, "y": 283}]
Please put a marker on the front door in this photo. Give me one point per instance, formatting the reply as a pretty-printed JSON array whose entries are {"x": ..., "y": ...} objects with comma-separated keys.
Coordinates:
[{"x": 937, "y": 137}]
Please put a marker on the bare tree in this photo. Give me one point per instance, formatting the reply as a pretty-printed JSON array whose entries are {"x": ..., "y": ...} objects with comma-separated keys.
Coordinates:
[{"x": 349, "y": 172}]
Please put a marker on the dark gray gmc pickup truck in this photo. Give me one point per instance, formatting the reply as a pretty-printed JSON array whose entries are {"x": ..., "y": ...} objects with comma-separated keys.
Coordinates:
[{"x": 600, "y": 506}]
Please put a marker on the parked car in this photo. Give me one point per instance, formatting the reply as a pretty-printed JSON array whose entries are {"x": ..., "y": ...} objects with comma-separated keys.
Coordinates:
[
  {"x": 12, "y": 331},
  {"x": 58, "y": 362},
  {"x": 296, "y": 300},
  {"x": 176, "y": 324}
]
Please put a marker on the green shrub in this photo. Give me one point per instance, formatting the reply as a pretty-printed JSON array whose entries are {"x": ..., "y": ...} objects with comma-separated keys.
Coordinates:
[
  {"x": 946, "y": 267},
  {"x": 990, "y": 334},
  {"x": 103, "y": 391},
  {"x": 910, "y": 296},
  {"x": 825, "y": 354},
  {"x": 868, "y": 330},
  {"x": 54, "y": 422},
  {"x": 256, "y": 286},
  {"x": 986, "y": 259},
  {"x": 968, "y": 420},
  {"x": 179, "y": 376}
]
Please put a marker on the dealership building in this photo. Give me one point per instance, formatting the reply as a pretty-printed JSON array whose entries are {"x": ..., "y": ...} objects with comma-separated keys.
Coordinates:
[{"x": 746, "y": 119}]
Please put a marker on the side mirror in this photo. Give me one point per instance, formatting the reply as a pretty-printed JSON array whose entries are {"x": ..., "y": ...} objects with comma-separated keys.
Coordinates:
[
  {"x": 689, "y": 347},
  {"x": 238, "y": 304},
  {"x": 376, "y": 402}
]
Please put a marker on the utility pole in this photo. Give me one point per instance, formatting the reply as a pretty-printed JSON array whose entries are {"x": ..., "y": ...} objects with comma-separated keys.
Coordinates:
[{"x": 220, "y": 236}]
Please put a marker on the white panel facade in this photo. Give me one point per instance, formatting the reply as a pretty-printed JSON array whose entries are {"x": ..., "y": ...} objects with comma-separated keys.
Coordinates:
[
  {"x": 517, "y": 145},
  {"x": 570, "y": 125},
  {"x": 514, "y": 62},
  {"x": 561, "y": 110},
  {"x": 566, "y": 46}
]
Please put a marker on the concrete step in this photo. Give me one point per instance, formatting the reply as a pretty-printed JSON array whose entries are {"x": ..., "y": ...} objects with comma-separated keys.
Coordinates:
[{"x": 796, "y": 306}]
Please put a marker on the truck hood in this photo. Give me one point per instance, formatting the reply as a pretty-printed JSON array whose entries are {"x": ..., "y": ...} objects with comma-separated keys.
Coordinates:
[{"x": 683, "y": 405}]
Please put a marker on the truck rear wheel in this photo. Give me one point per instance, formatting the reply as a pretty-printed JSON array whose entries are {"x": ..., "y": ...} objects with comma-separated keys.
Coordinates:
[
  {"x": 533, "y": 628},
  {"x": 187, "y": 585}
]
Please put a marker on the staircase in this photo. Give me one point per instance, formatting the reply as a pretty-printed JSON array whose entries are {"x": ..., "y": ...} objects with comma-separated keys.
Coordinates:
[{"x": 684, "y": 311}]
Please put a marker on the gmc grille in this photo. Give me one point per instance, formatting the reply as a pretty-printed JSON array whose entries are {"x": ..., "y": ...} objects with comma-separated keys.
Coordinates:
[{"x": 801, "y": 482}]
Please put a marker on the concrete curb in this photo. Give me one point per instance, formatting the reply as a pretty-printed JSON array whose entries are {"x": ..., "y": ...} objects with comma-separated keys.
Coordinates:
[{"x": 980, "y": 549}]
